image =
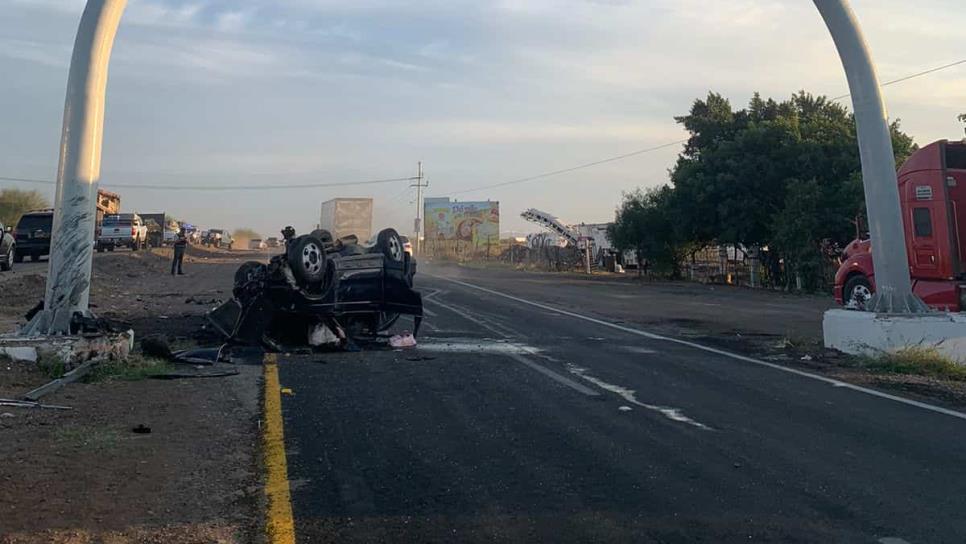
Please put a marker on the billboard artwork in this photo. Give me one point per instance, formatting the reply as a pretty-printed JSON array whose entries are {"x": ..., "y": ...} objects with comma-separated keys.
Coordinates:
[{"x": 476, "y": 223}]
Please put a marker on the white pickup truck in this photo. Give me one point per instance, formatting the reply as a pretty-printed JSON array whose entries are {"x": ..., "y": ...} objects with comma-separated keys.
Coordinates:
[{"x": 122, "y": 230}]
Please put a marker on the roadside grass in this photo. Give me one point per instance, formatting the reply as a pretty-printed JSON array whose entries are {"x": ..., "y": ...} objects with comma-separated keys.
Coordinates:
[
  {"x": 136, "y": 367},
  {"x": 96, "y": 438},
  {"x": 51, "y": 365},
  {"x": 918, "y": 360}
]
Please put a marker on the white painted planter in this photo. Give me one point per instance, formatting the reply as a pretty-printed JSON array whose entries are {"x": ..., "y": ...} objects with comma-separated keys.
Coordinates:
[{"x": 858, "y": 332}]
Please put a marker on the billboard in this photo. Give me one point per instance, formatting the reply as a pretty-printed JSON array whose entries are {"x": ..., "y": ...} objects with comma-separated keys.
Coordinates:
[{"x": 475, "y": 223}]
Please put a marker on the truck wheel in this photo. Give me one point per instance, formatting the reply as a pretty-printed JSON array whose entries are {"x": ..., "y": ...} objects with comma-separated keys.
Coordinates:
[
  {"x": 110, "y": 248},
  {"x": 17, "y": 257},
  {"x": 34, "y": 257},
  {"x": 306, "y": 258},
  {"x": 100, "y": 249},
  {"x": 389, "y": 243},
  {"x": 857, "y": 291}
]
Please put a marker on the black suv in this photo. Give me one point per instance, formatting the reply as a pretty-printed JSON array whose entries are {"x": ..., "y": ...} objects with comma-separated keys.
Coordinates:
[
  {"x": 33, "y": 235},
  {"x": 7, "y": 245}
]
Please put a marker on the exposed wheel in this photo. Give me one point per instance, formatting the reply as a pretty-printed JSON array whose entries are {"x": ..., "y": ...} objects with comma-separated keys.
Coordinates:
[
  {"x": 229, "y": 246},
  {"x": 34, "y": 257},
  {"x": 17, "y": 257},
  {"x": 110, "y": 248},
  {"x": 389, "y": 243},
  {"x": 306, "y": 258},
  {"x": 8, "y": 264},
  {"x": 857, "y": 291},
  {"x": 100, "y": 249}
]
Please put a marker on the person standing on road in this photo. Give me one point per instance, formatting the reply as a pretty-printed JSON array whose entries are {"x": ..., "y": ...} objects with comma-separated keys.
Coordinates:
[{"x": 180, "y": 246}]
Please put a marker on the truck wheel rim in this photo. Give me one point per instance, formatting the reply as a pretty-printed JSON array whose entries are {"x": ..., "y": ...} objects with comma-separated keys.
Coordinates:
[
  {"x": 395, "y": 249},
  {"x": 861, "y": 294},
  {"x": 312, "y": 258}
]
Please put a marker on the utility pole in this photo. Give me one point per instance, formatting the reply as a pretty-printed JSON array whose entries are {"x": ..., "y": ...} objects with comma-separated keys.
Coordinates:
[{"x": 418, "y": 224}]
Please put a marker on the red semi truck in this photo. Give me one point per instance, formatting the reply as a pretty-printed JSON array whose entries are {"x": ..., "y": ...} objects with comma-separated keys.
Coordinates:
[{"x": 932, "y": 196}]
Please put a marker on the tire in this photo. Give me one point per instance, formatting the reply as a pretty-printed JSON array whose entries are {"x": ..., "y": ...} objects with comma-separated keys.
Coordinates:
[
  {"x": 110, "y": 248},
  {"x": 34, "y": 257},
  {"x": 306, "y": 258},
  {"x": 390, "y": 245},
  {"x": 100, "y": 249},
  {"x": 857, "y": 288},
  {"x": 17, "y": 257},
  {"x": 8, "y": 264}
]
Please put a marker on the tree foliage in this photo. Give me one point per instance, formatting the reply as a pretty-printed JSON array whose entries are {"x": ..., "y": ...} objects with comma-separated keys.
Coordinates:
[
  {"x": 15, "y": 202},
  {"x": 786, "y": 175}
]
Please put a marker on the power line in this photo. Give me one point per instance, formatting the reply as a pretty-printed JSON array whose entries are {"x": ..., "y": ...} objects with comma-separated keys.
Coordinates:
[
  {"x": 910, "y": 76},
  {"x": 224, "y": 187},
  {"x": 471, "y": 190},
  {"x": 571, "y": 169},
  {"x": 669, "y": 144}
]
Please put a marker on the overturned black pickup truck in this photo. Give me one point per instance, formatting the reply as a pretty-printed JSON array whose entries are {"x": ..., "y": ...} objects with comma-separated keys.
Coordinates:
[{"x": 321, "y": 291}]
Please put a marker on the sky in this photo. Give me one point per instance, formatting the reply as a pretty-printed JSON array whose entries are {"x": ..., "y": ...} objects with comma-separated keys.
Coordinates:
[{"x": 275, "y": 92}]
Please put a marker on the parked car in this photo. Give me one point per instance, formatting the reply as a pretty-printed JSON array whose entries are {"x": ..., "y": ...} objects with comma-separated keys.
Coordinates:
[
  {"x": 256, "y": 243},
  {"x": 8, "y": 246},
  {"x": 32, "y": 235},
  {"x": 122, "y": 230}
]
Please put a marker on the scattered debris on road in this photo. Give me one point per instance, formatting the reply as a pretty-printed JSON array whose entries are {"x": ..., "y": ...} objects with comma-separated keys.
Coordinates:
[
  {"x": 32, "y": 404},
  {"x": 404, "y": 340}
]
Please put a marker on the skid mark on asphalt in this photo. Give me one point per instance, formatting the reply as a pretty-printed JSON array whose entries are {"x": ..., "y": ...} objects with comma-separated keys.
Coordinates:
[
  {"x": 474, "y": 345},
  {"x": 674, "y": 414},
  {"x": 512, "y": 351},
  {"x": 708, "y": 349},
  {"x": 517, "y": 351}
]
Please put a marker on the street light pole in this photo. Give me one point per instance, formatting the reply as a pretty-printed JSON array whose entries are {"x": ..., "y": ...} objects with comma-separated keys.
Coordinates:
[
  {"x": 72, "y": 237},
  {"x": 418, "y": 223},
  {"x": 893, "y": 286}
]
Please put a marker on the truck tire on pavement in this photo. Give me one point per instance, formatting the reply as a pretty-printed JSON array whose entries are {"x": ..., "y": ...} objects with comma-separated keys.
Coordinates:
[{"x": 857, "y": 289}]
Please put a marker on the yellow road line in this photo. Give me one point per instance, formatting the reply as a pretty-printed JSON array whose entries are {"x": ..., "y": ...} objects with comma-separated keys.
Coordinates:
[{"x": 279, "y": 524}]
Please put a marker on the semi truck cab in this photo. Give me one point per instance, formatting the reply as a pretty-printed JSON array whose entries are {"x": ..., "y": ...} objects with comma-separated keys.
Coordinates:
[{"x": 932, "y": 197}]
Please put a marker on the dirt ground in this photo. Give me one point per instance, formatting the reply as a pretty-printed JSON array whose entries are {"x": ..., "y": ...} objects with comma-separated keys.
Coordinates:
[{"x": 83, "y": 475}]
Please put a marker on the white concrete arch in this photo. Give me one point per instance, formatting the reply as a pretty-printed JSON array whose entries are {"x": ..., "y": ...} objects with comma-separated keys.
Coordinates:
[{"x": 68, "y": 284}]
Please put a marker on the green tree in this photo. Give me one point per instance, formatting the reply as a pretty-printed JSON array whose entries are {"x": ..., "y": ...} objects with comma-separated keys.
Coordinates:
[
  {"x": 742, "y": 172},
  {"x": 644, "y": 223},
  {"x": 15, "y": 202}
]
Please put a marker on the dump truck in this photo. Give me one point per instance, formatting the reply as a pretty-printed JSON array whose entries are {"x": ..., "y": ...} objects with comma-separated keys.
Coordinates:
[
  {"x": 932, "y": 198},
  {"x": 343, "y": 217}
]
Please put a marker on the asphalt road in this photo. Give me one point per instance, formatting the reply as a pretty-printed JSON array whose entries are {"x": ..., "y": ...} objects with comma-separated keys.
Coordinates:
[{"x": 515, "y": 422}]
